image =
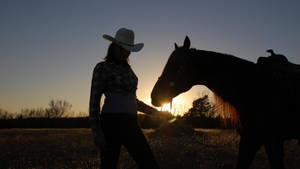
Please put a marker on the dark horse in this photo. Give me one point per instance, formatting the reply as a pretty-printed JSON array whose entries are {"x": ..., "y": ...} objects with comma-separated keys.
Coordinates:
[{"x": 265, "y": 107}]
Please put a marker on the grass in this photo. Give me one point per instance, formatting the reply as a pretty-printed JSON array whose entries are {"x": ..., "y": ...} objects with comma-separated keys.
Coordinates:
[{"x": 74, "y": 148}]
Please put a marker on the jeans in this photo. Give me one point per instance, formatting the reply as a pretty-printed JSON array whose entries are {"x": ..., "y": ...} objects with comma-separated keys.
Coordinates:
[{"x": 123, "y": 129}]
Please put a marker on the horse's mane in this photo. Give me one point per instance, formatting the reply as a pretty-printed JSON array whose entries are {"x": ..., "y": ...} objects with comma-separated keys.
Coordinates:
[{"x": 226, "y": 111}]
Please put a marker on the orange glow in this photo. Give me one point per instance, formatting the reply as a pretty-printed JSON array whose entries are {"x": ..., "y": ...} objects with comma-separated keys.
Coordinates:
[
  {"x": 226, "y": 110},
  {"x": 178, "y": 107}
]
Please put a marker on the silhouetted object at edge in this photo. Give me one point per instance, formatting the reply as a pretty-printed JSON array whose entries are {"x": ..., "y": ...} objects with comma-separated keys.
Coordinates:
[
  {"x": 275, "y": 63},
  {"x": 265, "y": 96}
]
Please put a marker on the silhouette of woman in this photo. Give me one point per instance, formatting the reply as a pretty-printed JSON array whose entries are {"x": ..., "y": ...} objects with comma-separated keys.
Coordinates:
[{"x": 117, "y": 125}]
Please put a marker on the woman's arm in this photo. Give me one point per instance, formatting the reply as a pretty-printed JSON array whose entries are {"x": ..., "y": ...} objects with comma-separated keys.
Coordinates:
[
  {"x": 97, "y": 87},
  {"x": 142, "y": 107}
]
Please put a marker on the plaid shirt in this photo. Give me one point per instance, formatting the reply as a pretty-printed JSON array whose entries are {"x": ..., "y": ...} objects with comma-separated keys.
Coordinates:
[{"x": 111, "y": 77}]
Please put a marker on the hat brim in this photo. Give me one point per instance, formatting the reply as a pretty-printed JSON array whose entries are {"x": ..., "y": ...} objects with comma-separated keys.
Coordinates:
[{"x": 132, "y": 48}]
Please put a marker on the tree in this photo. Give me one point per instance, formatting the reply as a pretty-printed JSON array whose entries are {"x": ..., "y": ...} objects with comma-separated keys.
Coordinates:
[
  {"x": 58, "y": 108},
  {"x": 5, "y": 115},
  {"x": 201, "y": 108}
]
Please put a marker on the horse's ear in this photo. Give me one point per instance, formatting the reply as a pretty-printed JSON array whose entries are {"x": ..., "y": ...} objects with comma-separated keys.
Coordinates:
[
  {"x": 187, "y": 42},
  {"x": 176, "y": 47}
]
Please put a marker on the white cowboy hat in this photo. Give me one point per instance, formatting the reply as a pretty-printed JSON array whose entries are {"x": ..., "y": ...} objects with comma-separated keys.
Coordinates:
[{"x": 125, "y": 38}]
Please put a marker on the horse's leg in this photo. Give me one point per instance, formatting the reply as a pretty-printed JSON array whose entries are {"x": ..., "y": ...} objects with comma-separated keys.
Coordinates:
[
  {"x": 274, "y": 149},
  {"x": 247, "y": 150}
]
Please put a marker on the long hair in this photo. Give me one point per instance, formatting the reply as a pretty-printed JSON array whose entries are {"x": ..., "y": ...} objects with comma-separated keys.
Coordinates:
[{"x": 110, "y": 56}]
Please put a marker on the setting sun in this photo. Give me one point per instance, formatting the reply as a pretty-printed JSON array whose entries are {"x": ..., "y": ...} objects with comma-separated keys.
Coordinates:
[
  {"x": 166, "y": 107},
  {"x": 177, "y": 108}
]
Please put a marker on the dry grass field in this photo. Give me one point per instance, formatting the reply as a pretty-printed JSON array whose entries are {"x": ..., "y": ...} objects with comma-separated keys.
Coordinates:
[{"x": 73, "y": 148}]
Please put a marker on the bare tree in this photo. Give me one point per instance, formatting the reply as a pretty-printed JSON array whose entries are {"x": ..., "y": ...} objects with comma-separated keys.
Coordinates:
[{"x": 57, "y": 109}]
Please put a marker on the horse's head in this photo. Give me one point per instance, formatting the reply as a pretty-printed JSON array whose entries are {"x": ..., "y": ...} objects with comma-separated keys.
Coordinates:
[{"x": 175, "y": 78}]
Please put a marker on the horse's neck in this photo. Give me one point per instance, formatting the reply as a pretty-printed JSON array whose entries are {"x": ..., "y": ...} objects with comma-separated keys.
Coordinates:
[{"x": 226, "y": 74}]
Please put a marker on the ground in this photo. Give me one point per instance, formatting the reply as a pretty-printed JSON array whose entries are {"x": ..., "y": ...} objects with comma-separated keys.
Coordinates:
[{"x": 74, "y": 148}]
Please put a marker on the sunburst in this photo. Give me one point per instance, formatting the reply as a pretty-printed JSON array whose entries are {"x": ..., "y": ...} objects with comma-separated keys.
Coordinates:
[{"x": 177, "y": 108}]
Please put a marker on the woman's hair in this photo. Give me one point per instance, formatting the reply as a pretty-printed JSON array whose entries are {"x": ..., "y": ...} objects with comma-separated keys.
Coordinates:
[{"x": 110, "y": 54}]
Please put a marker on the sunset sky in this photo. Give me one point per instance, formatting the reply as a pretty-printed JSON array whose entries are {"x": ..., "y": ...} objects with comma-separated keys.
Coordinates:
[{"x": 48, "y": 49}]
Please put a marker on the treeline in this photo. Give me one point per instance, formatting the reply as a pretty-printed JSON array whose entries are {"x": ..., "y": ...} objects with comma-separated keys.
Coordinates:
[
  {"x": 55, "y": 109},
  {"x": 58, "y": 114}
]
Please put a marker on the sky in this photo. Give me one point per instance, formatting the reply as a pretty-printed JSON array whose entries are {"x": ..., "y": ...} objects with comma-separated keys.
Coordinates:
[{"x": 48, "y": 48}]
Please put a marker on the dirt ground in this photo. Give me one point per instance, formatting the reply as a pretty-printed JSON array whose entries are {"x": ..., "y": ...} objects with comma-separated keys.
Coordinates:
[{"x": 74, "y": 148}]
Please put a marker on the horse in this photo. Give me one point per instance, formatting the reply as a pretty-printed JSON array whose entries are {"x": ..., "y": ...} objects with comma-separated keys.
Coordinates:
[{"x": 263, "y": 108}]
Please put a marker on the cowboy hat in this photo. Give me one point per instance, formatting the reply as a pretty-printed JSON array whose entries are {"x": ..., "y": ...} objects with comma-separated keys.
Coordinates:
[{"x": 125, "y": 38}]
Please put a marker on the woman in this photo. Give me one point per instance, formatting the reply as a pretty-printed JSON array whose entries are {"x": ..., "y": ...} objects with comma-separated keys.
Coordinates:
[{"x": 117, "y": 124}]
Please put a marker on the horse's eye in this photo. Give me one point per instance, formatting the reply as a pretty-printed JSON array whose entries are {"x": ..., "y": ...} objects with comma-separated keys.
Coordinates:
[{"x": 172, "y": 84}]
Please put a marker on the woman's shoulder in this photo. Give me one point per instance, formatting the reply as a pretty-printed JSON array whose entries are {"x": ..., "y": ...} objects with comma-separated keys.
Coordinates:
[{"x": 103, "y": 65}]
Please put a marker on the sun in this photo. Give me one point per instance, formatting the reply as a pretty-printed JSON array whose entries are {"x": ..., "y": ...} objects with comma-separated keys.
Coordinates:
[
  {"x": 166, "y": 107},
  {"x": 178, "y": 106}
]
